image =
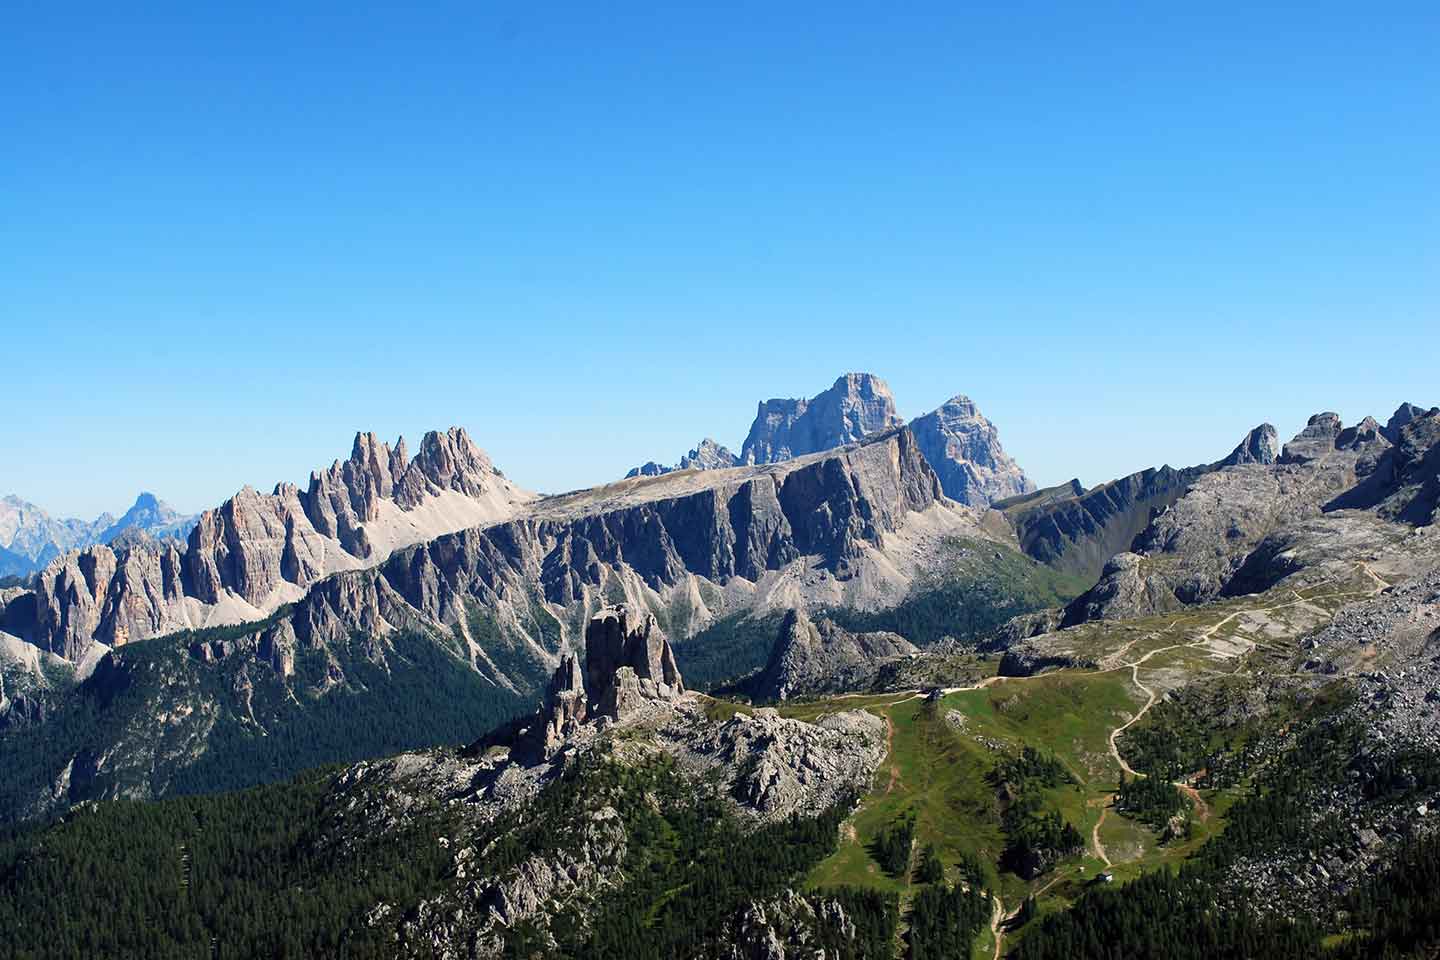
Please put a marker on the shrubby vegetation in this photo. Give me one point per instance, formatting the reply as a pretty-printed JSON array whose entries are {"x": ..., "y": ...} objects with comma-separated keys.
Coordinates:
[
  {"x": 726, "y": 651},
  {"x": 875, "y": 916},
  {"x": 242, "y": 871},
  {"x": 931, "y": 870},
  {"x": 1194, "y": 914},
  {"x": 1163, "y": 916},
  {"x": 276, "y": 871}
]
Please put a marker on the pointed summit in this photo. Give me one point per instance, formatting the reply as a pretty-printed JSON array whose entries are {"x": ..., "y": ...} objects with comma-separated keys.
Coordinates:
[{"x": 1261, "y": 445}]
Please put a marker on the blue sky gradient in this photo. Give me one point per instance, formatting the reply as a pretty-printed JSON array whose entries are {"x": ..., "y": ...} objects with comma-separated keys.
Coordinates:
[{"x": 592, "y": 234}]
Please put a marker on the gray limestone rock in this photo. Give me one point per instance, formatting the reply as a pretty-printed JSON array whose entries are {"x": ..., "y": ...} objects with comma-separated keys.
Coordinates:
[
  {"x": 258, "y": 550},
  {"x": 627, "y": 656},
  {"x": 964, "y": 449},
  {"x": 817, "y": 657},
  {"x": 1261, "y": 445},
  {"x": 858, "y": 405},
  {"x": 707, "y": 455},
  {"x": 1403, "y": 415},
  {"x": 1315, "y": 441}
]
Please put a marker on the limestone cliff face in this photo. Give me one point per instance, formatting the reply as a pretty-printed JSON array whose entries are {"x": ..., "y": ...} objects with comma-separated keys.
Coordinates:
[
  {"x": 1242, "y": 528},
  {"x": 257, "y": 551},
  {"x": 628, "y": 663},
  {"x": 97, "y": 594},
  {"x": 856, "y": 406},
  {"x": 960, "y": 444},
  {"x": 831, "y": 507},
  {"x": 964, "y": 448},
  {"x": 1078, "y": 533},
  {"x": 813, "y": 657},
  {"x": 1260, "y": 445},
  {"x": 1078, "y": 530}
]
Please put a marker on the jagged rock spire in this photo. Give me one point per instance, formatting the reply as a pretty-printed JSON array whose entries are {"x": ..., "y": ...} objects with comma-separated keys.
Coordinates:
[{"x": 628, "y": 662}]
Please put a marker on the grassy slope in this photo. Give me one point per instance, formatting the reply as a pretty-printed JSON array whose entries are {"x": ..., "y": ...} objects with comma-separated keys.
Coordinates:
[{"x": 938, "y": 772}]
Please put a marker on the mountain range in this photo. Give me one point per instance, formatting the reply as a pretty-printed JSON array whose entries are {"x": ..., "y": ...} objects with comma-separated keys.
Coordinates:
[
  {"x": 959, "y": 443},
  {"x": 30, "y": 538},
  {"x": 859, "y": 690}
]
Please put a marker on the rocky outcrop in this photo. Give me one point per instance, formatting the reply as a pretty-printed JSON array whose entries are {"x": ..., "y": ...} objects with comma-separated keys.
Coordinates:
[
  {"x": 1023, "y": 660},
  {"x": 964, "y": 449},
  {"x": 1078, "y": 531},
  {"x": 620, "y": 639},
  {"x": 628, "y": 664},
  {"x": 1315, "y": 441},
  {"x": 1413, "y": 492},
  {"x": 1404, "y": 414},
  {"x": 812, "y": 657},
  {"x": 99, "y": 595},
  {"x": 707, "y": 455},
  {"x": 858, "y": 405},
  {"x": 1123, "y": 591},
  {"x": 1325, "y": 501},
  {"x": 1079, "y": 534},
  {"x": 789, "y": 927},
  {"x": 1261, "y": 445},
  {"x": 762, "y": 767},
  {"x": 777, "y": 767}
]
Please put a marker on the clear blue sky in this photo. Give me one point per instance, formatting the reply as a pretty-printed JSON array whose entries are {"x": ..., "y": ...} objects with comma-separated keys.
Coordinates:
[{"x": 594, "y": 233}]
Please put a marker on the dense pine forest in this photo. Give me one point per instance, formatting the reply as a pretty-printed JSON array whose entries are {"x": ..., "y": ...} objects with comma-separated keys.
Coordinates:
[
  {"x": 267, "y": 729},
  {"x": 1198, "y": 914},
  {"x": 1037, "y": 837}
]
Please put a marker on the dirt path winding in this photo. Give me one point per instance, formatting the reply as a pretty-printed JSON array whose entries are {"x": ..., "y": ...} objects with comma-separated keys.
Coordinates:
[{"x": 1095, "y": 834}]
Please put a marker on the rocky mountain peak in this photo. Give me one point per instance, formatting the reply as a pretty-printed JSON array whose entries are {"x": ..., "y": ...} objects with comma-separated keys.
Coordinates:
[
  {"x": 964, "y": 450},
  {"x": 450, "y": 461},
  {"x": 620, "y": 639},
  {"x": 1404, "y": 414},
  {"x": 1364, "y": 433},
  {"x": 1261, "y": 445},
  {"x": 628, "y": 662},
  {"x": 707, "y": 455},
  {"x": 1316, "y": 440},
  {"x": 856, "y": 406}
]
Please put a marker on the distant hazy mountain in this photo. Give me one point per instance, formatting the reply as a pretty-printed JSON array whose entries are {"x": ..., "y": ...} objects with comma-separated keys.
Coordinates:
[
  {"x": 152, "y": 515},
  {"x": 30, "y": 537}
]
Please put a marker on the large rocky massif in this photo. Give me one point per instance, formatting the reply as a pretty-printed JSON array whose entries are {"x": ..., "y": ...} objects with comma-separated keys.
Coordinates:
[{"x": 961, "y": 446}]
